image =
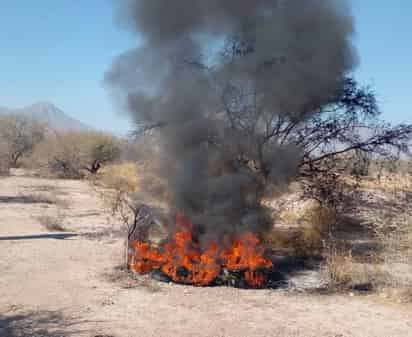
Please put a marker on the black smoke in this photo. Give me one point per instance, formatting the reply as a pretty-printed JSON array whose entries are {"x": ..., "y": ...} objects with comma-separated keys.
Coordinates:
[{"x": 211, "y": 76}]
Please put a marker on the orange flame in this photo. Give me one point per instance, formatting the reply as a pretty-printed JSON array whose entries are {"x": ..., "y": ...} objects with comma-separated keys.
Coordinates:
[{"x": 185, "y": 261}]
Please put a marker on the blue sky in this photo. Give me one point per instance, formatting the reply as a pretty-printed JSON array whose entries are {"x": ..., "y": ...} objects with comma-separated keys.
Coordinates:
[{"x": 59, "y": 50}]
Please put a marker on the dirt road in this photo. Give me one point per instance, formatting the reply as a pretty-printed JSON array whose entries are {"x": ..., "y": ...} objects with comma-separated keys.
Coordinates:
[{"x": 66, "y": 284}]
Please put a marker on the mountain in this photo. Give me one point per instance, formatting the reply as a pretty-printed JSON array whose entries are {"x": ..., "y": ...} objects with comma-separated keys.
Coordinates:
[{"x": 47, "y": 112}]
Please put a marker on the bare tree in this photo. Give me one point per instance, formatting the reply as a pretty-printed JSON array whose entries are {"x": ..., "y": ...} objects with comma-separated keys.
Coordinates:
[
  {"x": 348, "y": 121},
  {"x": 247, "y": 95},
  {"x": 19, "y": 135},
  {"x": 316, "y": 136}
]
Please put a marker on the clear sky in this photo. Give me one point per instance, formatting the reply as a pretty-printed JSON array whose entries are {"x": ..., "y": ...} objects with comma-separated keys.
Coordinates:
[{"x": 58, "y": 50}]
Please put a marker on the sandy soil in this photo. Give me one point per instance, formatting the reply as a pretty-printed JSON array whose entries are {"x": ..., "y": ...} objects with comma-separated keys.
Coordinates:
[{"x": 55, "y": 284}]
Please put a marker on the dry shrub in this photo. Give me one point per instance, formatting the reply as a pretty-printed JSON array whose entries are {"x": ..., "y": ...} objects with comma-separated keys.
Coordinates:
[
  {"x": 53, "y": 223},
  {"x": 44, "y": 195},
  {"x": 339, "y": 268},
  {"x": 318, "y": 221},
  {"x": 400, "y": 295},
  {"x": 126, "y": 279},
  {"x": 138, "y": 178},
  {"x": 304, "y": 229},
  {"x": 122, "y": 176},
  {"x": 132, "y": 181},
  {"x": 279, "y": 239},
  {"x": 398, "y": 243},
  {"x": 4, "y": 168},
  {"x": 40, "y": 198},
  {"x": 397, "y": 251},
  {"x": 129, "y": 185},
  {"x": 393, "y": 228},
  {"x": 124, "y": 200},
  {"x": 388, "y": 182},
  {"x": 404, "y": 295},
  {"x": 5, "y": 163},
  {"x": 343, "y": 272},
  {"x": 392, "y": 266},
  {"x": 74, "y": 155}
]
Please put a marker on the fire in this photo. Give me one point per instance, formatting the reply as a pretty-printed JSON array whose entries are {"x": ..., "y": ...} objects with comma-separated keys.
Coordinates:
[{"x": 186, "y": 261}]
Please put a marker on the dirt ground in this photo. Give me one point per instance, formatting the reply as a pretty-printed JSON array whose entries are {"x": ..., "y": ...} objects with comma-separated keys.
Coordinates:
[{"x": 68, "y": 284}]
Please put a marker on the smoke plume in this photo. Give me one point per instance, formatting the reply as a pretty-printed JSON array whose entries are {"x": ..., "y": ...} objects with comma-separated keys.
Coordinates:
[{"x": 213, "y": 76}]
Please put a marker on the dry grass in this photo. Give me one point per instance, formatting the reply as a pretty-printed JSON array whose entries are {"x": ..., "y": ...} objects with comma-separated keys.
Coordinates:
[
  {"x": 123, "y": 177},
  {"x": 40, "y": 198},
  {"x": 391, "y": 219},
  {"x": 339, "y": 269},
  {"x": 399, "y": 295},
  {"x": 388, "y": 182},
  {"x": 4, "y": 168},
  {"x": 394, "y": 230},
  {"x": 4, "y": 160},
  {"x": 343, "y": 272},
  {"x": 126, "y": 186},
  {"x": 317, "y": 224},
  {"x": 53, "y": 223},
  {"x": 135, "y": 181},
  {"x": 398, "y": 243},
  {"x": 303, "y": 229},
  {"x": 48, "y": 195},
  {"x": 397, "y": 253},
  {"x": 126, "y": 279}
]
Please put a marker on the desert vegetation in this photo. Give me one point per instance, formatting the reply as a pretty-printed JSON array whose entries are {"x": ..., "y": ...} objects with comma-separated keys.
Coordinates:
[
  {"x": 258, "y": 192},
  {"x": 239, "y": 123},
  {"x": 321, "y": 149},
  {"x": 336, "y": 197},
  {"x": 312, "y": 217},
  {"x": 331, "y": 222},
  {"x": 19, "y": 135},
  {"x": 27, "y": 142},
  {"x": 76, "y": 154}
]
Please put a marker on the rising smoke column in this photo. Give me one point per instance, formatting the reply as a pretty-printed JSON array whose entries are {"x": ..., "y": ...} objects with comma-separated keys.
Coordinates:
[{"x": 212, "y": 75}]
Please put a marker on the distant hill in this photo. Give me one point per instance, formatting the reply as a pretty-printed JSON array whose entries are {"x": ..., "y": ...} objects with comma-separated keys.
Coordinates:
[{"x": 47, "y": 112}]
